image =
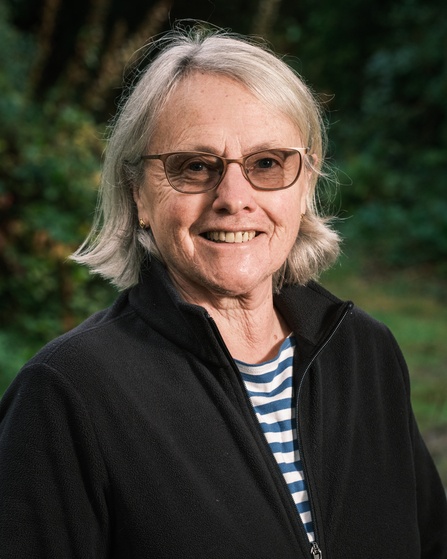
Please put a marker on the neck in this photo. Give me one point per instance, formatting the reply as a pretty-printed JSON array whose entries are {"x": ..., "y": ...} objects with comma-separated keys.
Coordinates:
[{"x": 250, "y": 325}]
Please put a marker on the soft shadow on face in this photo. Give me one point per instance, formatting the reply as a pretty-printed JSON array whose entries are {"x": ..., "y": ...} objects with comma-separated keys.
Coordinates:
[{"x": 215, "y": 114}]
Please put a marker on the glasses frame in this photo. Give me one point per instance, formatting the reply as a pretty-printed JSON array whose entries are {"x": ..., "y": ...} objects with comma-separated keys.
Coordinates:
[{"x": 225, "y": 162}]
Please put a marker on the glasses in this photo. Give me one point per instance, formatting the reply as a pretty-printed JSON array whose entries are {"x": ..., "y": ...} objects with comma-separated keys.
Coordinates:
[{"x": 193, "y": 172}]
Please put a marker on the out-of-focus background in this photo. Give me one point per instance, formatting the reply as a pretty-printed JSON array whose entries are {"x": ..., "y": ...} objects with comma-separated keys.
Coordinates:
[{"x": 381, "y": 73}]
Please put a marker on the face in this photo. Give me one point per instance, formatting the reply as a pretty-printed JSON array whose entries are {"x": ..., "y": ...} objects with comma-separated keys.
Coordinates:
[{"x": 217, "y": 115}]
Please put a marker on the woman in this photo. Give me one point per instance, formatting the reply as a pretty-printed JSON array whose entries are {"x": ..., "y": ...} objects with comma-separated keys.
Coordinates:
[{"x": 226, "y": 405}]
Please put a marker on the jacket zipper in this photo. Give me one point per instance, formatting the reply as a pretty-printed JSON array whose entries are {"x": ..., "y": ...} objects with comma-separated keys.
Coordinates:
[{"x": 315, "y": 550}]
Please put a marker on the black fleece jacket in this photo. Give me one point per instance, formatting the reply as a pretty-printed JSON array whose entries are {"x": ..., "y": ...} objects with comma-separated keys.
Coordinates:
[{"x": 133, "y": 437}]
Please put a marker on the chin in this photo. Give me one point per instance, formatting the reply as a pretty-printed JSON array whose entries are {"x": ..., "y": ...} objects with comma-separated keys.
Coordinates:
[{"x": 235, "y": 286}]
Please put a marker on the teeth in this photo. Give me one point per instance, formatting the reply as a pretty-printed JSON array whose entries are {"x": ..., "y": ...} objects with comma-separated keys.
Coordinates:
[{"x": 230, "y": 237}]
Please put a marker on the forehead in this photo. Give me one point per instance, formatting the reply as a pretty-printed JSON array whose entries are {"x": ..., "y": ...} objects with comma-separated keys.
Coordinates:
[{"x": 217, "y": 110}]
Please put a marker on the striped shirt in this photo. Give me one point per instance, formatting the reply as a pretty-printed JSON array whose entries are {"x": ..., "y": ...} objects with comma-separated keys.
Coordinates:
[{"x": 270, "y": 388}]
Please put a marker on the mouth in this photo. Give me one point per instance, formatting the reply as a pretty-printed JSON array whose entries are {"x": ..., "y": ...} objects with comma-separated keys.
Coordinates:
[{"x": 230, "y": 236}]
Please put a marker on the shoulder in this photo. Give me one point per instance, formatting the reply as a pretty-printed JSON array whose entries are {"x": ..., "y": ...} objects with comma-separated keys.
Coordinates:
[
  {"x": 81, "y": 373},
  {"x": 369, "y": 343},
  {"x": 359, "y": 341},
  {"x": 313, "y": 313},
  {"x": 97, "y": 327},
  {"x": 82, "y": 354},
  {"x": 359, "y": 320}
]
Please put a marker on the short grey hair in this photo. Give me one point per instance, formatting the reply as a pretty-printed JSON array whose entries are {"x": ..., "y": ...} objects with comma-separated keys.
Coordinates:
[{"x": 116, "y": 246}]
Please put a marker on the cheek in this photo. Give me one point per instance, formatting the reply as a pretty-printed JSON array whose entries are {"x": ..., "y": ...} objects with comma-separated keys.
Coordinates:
[
  {"x": 172, "y": 216},
  {"x": 288, "y": 211}
]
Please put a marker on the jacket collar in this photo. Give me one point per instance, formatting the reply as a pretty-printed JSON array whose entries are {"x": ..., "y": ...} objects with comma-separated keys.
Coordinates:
[{"x": 311, "y": 311}]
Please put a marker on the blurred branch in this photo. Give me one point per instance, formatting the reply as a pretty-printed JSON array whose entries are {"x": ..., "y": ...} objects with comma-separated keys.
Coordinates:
[
  {"x": 88, "y": 43},
  {"x": 265, "y": 17},
  {"x": 49, "y": 14},
  {"x": 120, "y": 52}
]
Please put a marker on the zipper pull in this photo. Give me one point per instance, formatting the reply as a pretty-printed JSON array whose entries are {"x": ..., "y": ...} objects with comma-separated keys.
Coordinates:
[{"x": 316, "y": 551}]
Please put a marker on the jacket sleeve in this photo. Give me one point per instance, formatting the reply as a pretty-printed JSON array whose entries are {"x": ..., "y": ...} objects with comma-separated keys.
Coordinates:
[
  {"x": 53, "y": 500},
  {"x": 431, "y": 500},
  {"x": 430, "y": 494}
]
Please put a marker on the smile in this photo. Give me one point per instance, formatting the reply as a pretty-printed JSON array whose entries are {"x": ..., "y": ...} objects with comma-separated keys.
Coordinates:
[{"x": 230, "y": 236}]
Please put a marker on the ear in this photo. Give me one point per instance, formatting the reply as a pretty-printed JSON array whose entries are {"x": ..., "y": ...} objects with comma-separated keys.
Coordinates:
[
  {"x": 310, "y": 164},
  {"x": 136, "y": 195},
  {"x": 138, "y": 199}
]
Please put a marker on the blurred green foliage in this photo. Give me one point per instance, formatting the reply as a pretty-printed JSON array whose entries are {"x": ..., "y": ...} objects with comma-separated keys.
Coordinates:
[
  {"x": 383, "y": 71},
  {"x": 380, "y": 72},
  {"x": 397, "y": 160},
  {"x": 49, "y": 172}
]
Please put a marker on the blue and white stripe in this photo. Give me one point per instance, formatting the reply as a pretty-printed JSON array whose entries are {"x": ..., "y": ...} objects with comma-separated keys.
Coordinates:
[{"x": 270, "y": 388}]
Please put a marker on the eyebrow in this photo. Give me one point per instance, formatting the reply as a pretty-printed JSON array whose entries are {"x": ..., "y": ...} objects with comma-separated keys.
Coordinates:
[{"x": 257, "y": 147}]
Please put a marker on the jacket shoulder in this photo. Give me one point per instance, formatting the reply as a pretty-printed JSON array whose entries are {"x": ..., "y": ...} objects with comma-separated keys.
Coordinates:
[
  {"x": 74, "y": 343},
  {"x": 358, "y": 316}
]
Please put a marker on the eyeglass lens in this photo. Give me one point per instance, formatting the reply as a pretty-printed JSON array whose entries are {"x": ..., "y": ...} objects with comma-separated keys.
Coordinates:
[{"x": 198, "y": 172}]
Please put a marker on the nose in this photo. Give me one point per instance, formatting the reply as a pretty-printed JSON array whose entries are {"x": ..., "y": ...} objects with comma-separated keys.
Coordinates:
[{"x": 234, "y": 194}]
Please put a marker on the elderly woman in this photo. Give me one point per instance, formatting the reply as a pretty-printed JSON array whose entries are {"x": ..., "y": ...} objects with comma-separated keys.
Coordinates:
[{"x": 226, "y": 405}]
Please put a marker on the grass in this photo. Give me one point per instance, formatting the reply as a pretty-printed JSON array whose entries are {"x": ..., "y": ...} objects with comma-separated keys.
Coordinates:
[{"x": 413, "y": 305}]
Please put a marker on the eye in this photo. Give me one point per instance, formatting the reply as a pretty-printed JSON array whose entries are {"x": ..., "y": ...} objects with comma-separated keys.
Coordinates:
[
  {"x": 199, "y": 164},
  {"x": 196, "y": 166},
  {"x": 266, "y": 163},
  {"x": 191, "y": 168}
]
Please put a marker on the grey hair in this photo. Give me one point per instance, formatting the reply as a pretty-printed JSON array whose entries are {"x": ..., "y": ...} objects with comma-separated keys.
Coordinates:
[{"x": 116, "y": 246}]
